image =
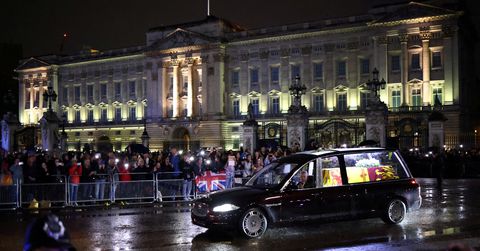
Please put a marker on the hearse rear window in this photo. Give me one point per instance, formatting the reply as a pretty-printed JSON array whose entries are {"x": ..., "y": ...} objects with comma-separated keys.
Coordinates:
[{"x": 373, "y": 167}]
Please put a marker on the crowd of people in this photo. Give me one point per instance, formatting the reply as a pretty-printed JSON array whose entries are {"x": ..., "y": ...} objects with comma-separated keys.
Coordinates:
[{"x": 93, "y": 171}]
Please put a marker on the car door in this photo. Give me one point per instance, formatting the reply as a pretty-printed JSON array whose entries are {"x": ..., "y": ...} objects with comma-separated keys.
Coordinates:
[
  {"x": 299, "y": 203},
  {"x": 333, "y": 199}
]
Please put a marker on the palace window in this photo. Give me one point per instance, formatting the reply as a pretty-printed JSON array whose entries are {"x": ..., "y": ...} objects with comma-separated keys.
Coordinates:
[
  {"x": 236, "y": 107},
  {"x": 274, "y": 74},
  {"x": 415, "y": 64},
  {"x": 118, "y": 90},
  {"x": 132, "y": 85},
  {"x": 437, "y": 94},
  {"x": 436, "y": 59},
  {"x": 27, "y": 99},
  {"x": 255, "y": 106},
  {"x": 341, "y": 69},
  {"x": 416, "y": 97},
  {"x": 118, "y": 114},
  {"x": 295, "y": 71},
  {"x": 77, "y": 116},
  {"x": 235, "y": 78},
  {"x": 103, "y": 92},
  {"x": 36, "y": 102},
  {"x": 364, "y": 100},
  {"x": 342, "y": 102},
  {"x": 90, "y": 116},
  {"x": 396, "y": 98},
  {"x": 64, "y": 96},
  {"x": 133, "y": 113},
  {"x": 364, "y": 66},
  {"x": 318, "y": 102},
  {"x": 103, "y": 115},
  {"x": 90, "y": 93},
  {"x": 318, "y": 71},
  {"x": 77, "y": 94},
  {"x": 395, "y": 63},
  {"x": 275, "y": 105},
  {"x": 254, "y": 77},
  {"x": 185, "y": 84}
]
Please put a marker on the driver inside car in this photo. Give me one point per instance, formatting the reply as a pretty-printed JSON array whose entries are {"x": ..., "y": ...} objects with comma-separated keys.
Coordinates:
[{"x": 304, "y": 181}]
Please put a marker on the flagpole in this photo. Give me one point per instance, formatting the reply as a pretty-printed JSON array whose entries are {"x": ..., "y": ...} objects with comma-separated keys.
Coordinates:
[{"x": 208, "y": 8}]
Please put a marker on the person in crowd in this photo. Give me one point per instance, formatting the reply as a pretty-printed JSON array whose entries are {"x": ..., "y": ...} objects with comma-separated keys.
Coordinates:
[
  {"x": 75, "y": 171},
  {"x": 188, "y": 176},
  {"x": 259, "y": 165},
  {"x": 100, "y": 180},
  {"x": 112, "y": 175},
  {"x": 230, "y": 171},
  {"x": 88, "y": 179},
  {"x": 247, "y": 166},
  {"x": 17, "y": 171},
  {"x": 17, "y": 176},
  {"x": 269, "y": 159},
  {"x": 175, "y": 160}
]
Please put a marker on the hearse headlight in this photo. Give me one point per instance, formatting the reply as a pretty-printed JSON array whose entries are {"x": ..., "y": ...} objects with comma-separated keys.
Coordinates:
[{"x": 225, "y": 208}]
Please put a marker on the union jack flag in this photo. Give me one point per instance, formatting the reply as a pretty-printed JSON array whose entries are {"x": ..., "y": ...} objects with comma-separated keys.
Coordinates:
[{"x": 210, "y": 181}]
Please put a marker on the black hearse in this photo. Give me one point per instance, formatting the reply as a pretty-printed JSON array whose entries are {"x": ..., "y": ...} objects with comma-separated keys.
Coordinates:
[{"x": 329, "y": 184}]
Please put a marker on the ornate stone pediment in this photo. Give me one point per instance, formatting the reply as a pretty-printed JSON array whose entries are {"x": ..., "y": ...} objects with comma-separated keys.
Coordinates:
[
  {"x": 414, "y": 12},
  {"x": 181, "y": 38},
  {"x": 340, "y": 88},
  {"x": 274, "y": 92},
  {"x": 32, "y": 63}
]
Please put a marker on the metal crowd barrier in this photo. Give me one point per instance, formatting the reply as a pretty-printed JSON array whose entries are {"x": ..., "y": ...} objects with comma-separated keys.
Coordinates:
[
  {"x": 138, "y": 187},
  {"x": 9, "y": 195},
  {"x": 55, "y": 191},
  {"x": 169, "y": 186},
  {"x": 96, "y": 189}
]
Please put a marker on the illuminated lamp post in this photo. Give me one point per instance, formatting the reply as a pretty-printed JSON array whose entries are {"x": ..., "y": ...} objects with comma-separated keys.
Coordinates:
[
  {"x": 376, "y": 113},
  {"x": 376, "y": 85}
]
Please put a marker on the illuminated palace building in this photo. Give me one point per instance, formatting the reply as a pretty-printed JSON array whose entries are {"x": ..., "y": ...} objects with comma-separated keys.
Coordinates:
[{"x": 192, "y": 83}]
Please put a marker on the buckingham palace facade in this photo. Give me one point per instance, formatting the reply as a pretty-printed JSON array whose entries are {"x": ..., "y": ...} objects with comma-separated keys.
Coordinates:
[{"x": 190, "y": 84}]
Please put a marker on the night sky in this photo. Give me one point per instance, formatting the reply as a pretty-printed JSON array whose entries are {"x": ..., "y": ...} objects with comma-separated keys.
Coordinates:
[{"x": 39, "y": 24}]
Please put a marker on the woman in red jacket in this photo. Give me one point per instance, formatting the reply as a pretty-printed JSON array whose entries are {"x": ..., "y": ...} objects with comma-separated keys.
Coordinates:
[{"x": 75, "y": 171}]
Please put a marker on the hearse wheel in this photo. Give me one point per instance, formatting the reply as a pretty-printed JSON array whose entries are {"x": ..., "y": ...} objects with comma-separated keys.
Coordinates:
[
  {"x": 253, "y": 223},
  {"x": 394, "y": 212}
]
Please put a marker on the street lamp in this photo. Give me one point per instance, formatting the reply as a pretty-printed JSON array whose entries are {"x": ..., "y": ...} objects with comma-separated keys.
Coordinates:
[
  {"x": 297, "y": 90},
  {"x": 50, "y": 96},
  {"x": 375, "y": 85}
]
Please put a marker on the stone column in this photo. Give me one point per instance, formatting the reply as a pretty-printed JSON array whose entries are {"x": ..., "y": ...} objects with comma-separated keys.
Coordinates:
[
  {"x": 376, "y": 122},
  {"x": 425, "y": 35},
  {"x": 205, "y": 85},
  {"x": 175, "y": 92},
  {"x": 382, "y": 57},
  {"x": 9, "y": 124},
  {"x": 190, "y": 94},
  {"x": 448, "y": 64},
  {"x": 297, "y": 124},
  {"x": 250, "y": 136},
  {"x": 404, "y": 67},
  {"x": 164, "y": 86},
  {"x": 49, "y": 128}
]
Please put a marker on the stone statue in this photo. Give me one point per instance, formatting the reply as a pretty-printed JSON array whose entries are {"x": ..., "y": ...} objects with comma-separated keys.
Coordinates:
[{"x": 250, "y": 112}]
